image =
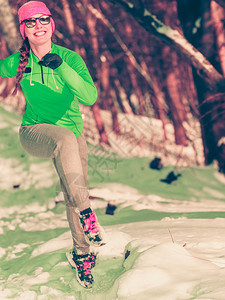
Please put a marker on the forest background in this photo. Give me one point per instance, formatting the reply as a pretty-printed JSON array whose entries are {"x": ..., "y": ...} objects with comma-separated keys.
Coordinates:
[{"x": 161, "y": 60}]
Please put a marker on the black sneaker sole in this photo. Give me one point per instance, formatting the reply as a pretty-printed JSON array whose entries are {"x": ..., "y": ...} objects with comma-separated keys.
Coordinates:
[
  {"x": 100, "y": 244},
  {"x": 69, "y": 257}
]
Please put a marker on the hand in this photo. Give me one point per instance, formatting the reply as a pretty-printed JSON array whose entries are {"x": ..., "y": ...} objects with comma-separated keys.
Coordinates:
[{"x": 51, "y": 60}]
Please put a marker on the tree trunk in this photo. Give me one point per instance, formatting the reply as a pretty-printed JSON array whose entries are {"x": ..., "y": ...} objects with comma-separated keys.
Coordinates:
[
  {"x": 173, "y": 97},
  {"x": 9, "y": 82},
  {"x": 131, "y": 69},
  {"x": 107, "y": 94},
  {"x": 99, "y": 124},
  {"x": 9, "y": 87},
  {"x": 218, "y": 17},
  {"x": 68, "y": 17},
  {"x": 8, "y": 27},
  {"x": 91, "y": 24},
  {"x": 188, "y": 87},
  {"x": 157, "y": 101},
  {"x": 136, "y": 87},
  {"x": 124, "y": 104}
]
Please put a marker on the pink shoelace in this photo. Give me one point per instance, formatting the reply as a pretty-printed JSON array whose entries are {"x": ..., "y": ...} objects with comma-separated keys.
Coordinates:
[
  {"x": 92, "y": 257},
  {"x": 87, "y": 267},
  {"x": 91, "y": 224}
]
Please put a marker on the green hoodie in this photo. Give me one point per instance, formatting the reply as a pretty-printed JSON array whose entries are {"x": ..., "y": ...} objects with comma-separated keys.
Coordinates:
[{"x": 52, "y": 96}]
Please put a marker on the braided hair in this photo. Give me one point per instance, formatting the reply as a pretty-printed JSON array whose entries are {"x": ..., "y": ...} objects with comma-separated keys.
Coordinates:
[{"x": 24, "y": 50}]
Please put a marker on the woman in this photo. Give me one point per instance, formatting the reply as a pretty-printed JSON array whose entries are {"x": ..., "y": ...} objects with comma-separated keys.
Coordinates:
[{"x": 54, "y": 79}]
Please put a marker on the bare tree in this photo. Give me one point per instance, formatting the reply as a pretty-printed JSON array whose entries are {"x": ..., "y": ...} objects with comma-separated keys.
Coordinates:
[
  {"x": 68, "y": 16},
  {"x": 218, "y": 17},
  {"x": 174, "y": 39},
  {"x": 8, "y": 27},
  {"x": 211, "y": 103},
  {"x": 211, "y": 82}
]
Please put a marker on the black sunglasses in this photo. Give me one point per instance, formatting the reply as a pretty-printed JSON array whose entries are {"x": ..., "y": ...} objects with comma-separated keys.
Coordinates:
[{"x": 31, "y": 22}]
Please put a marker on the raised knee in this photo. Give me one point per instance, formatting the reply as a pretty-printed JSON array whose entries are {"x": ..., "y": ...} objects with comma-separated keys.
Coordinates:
[{"x": 66, "y": 140}]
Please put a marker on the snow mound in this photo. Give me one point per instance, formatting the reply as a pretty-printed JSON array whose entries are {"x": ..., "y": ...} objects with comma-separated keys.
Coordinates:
[
  {"x": 61, "y": 242},
  {"x": 117, "y": 193},
  {"x": 13, "y": 173},
  {"x": 116, "y": 242}
]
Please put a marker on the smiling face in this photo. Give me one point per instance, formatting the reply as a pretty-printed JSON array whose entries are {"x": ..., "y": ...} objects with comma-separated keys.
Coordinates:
[{"x": 39, "y": 34}]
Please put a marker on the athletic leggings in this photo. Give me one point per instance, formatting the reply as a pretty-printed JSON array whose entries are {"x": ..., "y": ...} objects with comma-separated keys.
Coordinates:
[{"x": 70, "y": 158}]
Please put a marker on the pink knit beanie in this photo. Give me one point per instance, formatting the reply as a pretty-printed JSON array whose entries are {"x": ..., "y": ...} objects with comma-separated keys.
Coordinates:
[{"x": 32, "y": 8}]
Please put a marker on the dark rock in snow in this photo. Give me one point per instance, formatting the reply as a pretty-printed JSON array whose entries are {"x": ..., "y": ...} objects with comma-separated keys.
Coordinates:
[
  {"x": 156, "y": 164},
  {"x": 170, "y": 178},
  {"x": 127, "y": 254},
  {"x": 16, "y": 186},
  {"x": 110, "y": 209}
]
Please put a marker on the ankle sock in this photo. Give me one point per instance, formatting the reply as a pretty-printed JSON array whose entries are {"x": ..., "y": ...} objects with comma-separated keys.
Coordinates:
[{"x": 86, "y": 211}]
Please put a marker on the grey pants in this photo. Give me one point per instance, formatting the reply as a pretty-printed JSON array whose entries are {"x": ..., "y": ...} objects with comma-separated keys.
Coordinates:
[{"x": 70, "y": 158}]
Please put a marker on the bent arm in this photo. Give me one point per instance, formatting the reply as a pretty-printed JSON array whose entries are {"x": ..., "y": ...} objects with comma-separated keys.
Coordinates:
[{"x": 78, "y": 79}]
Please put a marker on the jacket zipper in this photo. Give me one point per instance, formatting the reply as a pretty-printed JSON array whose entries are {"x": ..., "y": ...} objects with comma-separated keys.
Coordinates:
[{"x": 42, "y": 75}]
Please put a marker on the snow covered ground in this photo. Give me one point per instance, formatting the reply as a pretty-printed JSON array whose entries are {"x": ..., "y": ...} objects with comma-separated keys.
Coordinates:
[
  {"x": 171, "y": 258},
  {"x": 163, "y": 241}
]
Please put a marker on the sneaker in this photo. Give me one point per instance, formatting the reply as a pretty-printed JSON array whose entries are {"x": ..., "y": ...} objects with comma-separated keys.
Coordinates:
[
  {"x": 91, "y": 229},
  {"x": 92, "y": 258},
  {"x": 83, "y": 265}
]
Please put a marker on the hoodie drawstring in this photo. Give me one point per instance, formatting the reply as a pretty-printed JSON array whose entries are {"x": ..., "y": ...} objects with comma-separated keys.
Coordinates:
[
  {"x": 54, "y": 80},
  {"x": 32, "y": 64}
]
